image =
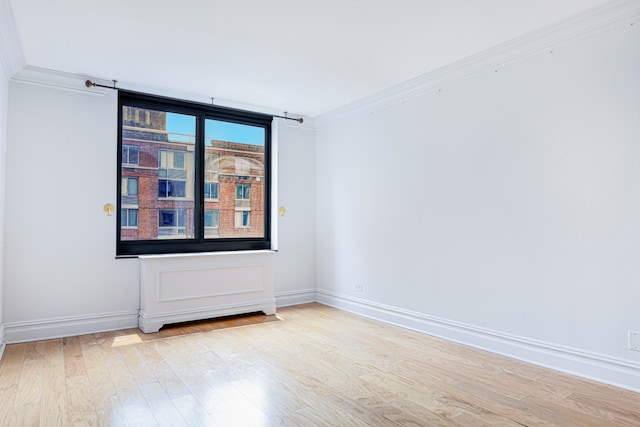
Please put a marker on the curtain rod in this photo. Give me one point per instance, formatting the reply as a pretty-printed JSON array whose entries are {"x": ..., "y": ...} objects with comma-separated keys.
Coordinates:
[{"x": 89, "y": 83}]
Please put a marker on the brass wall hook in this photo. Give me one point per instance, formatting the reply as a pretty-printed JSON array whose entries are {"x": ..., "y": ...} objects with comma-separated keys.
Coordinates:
[{"x": 108, "y": 209}]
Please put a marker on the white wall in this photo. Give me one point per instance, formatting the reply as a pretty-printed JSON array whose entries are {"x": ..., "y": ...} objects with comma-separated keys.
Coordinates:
[
  {"x": 60, "y": 245},
  {"x": 11, "y": 60},
  {"x": 295, "y": 260},
  {"x": 506, "y": 206},
  {"x": 61, "y": 272},
  {"x": 4, "y": 100}
]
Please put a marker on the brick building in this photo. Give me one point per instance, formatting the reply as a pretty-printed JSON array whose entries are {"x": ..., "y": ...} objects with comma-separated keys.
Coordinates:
[{"x": 158, "y": 182}]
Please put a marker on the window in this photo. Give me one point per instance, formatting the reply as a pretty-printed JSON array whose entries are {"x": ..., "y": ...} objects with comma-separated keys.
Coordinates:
[
  {"x": 172, "y": 223},
  {"x": 130, "y": 155},
  {"x": 171, "y": 164},
  {"x": 211, "y": 222},
  {"x": 210, "y": 190},
  {"x": 171, "y": 188},
  {"x": 192, "y": 190},
  {"x": 129, "y": 218},
  {"x": 243, "y": 191},
  {"x": 243, "y": 219},
  {"x": 211, "y": 173},
  {"x": 129, "y": 186},
  {"x": 170, "y": 159}
]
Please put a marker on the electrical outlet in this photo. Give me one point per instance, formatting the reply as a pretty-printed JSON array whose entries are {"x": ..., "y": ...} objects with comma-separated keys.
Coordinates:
[
  {"x": 634, "y": 340},
  {"x": 358, "y": 287}
]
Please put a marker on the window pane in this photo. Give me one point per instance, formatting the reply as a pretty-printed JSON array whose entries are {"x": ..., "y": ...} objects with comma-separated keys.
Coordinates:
[
  {"x": 132, "y": 187},
  {"x": 177, "y": 188},
  {"x": 234, "y": 161},
  {"x": 210, "y": 190},
  {"x": 178, "y": 160},
  {"x": 210, "y": 218},
  {"x": 130, "y": 155},
  {"x": 159, "y": 194},
  {"x": 167, "y": 219},
  {"x": 134, "y": 155},
  {"x": 210, "y": 223},
  {"x": 162, "y": 188},
  {"x": 133, "y": 217}
]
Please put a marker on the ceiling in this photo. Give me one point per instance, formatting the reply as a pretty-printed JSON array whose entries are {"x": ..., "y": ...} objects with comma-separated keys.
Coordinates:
[{"x": 298, "y": 56}]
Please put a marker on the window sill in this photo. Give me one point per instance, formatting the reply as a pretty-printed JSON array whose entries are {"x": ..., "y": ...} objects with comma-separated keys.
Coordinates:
[
  {"x": 205, "y": 254},
  {"x": 200, "y": 254}
]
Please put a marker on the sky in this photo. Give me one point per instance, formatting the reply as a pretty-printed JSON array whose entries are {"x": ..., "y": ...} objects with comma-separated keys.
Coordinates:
[{"x": 218, "y": 130}]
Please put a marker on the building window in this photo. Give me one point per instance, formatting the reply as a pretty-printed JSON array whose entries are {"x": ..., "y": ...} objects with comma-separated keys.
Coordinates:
[
  {"x": 210, "y": 190},
  {"x": 129, "y": 186},
  {"x": 211, "y": 173},
  {"x": 130, "y": 155},
  {"x": 211, "y": 218},
  {"x": 129, "y": 218},
  {"x": 243, "y": 191},
  {"x": 171, "y": 164},
  {"x": 171, "y": 188},
  {"x": 170, "y": 159},
  {"x": 206, "y": 177},
  {"x": 243, "y": 219},
  {"x": 172, "y": 223}
]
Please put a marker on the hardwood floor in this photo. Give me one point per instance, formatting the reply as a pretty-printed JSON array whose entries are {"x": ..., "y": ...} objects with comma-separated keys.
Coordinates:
[{"x": 309, "y": 365}]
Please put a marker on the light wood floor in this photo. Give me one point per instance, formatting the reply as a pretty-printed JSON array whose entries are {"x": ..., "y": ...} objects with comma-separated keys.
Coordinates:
[{"x": 309, "y": 365}]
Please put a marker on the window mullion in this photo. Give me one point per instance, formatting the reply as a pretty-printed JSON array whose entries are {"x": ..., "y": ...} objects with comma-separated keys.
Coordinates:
[{"x": 199, "y": 178}]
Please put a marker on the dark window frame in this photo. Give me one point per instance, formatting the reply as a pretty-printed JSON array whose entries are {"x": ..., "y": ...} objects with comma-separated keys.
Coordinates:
[{"x": 202, "y": 112}]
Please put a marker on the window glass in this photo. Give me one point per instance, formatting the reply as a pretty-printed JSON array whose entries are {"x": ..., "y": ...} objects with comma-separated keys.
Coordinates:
[
  {"x": 129, "y": 218},
  {"x": 168, "y": 172},
  {"x": 130, "y": 186},
  {"x": 210, "y": 190},
  {"x": 210, "y": 218},
  {"x": 235, "y": 159}
]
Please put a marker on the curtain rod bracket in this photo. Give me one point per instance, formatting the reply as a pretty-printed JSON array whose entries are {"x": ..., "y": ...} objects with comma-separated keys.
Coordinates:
[
  {"x": 286, "y": 117},
  {"x": 89, "y": 83}
]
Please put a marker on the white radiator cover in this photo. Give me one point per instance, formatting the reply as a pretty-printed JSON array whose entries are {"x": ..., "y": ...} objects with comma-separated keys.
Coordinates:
[{"x": 179, "y": 288}]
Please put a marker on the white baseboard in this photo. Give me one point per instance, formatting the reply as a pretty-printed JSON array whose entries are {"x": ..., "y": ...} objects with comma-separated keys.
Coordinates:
[
  {"x": 43, "y": 329},
  {"x": 69, "y": 326},
  {"x": 617, "y": 372},
  {"x": 302, "y": 296},
  {"x": 2, "y": 343}
]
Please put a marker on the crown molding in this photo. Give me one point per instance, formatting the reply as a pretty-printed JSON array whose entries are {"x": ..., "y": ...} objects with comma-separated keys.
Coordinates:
[
  {"x": 59, "y": 79},
  {"x": 597, "y": 19},
  {"x": 11, "y": 53},
  {"x": 76, "y": 82}
]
